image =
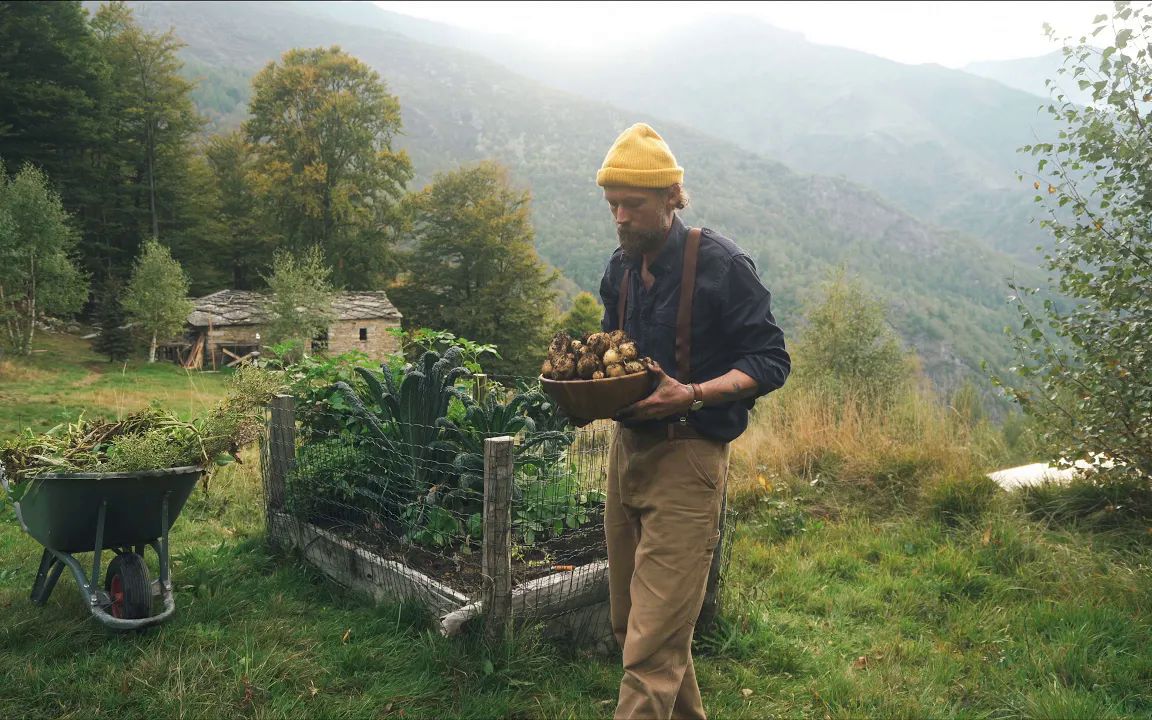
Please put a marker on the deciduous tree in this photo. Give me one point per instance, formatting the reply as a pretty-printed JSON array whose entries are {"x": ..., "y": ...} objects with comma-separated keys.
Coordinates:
[
  {"x": 37, "y": 274},
  {"x": 848, "y": 344},
  {"x": 322, "y": 126},
  {"x": 1085, "y": 371},
  {"x": 156, "y": 298},
  {"x": 301, "y": 302},
  {"x": 150, "y": 102},
  {"x": 245, "y": 243},
  {"x": 475, "y": 271}
]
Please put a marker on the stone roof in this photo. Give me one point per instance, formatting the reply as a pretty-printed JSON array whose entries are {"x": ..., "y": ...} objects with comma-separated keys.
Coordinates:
[{"x": 244, "y": 307}]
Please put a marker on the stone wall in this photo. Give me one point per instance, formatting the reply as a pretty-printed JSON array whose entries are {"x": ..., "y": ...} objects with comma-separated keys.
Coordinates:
[{"x": 345, "y": 335}]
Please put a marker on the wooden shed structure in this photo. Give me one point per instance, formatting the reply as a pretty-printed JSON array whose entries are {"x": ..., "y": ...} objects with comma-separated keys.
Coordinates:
[{"x": 229, "y": 327}]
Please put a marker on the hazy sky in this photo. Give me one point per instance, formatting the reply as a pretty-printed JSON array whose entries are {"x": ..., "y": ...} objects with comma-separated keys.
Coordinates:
[{"x": 948, "y": 33}]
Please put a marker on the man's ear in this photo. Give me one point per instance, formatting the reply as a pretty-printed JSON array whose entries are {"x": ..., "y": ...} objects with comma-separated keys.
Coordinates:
[{"x": 672, "y": 197}]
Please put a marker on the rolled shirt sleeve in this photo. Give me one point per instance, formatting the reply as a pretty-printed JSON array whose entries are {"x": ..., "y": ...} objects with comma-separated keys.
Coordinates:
[{"x": 757, "y": 342}]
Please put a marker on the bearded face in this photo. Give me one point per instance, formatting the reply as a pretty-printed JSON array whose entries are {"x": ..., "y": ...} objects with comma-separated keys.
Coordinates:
[
  {"x": 636, "y": 243},
  {"x": 642, "y": 218}
]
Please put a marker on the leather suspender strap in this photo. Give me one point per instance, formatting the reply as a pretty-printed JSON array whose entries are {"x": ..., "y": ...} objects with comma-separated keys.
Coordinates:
[
  {"x": 684, "y": 314},
  {"x": 622, "y": 303}
]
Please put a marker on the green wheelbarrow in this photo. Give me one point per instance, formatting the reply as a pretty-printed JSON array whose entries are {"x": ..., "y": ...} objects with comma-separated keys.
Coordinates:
[{"x": 92, "y": 512}]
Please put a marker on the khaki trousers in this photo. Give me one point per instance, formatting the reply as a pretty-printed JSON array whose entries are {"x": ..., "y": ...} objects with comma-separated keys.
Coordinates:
[{"x": 661, "y": 522}]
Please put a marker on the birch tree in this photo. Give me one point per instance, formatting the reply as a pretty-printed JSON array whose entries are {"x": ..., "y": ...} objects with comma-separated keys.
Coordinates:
[
  {"x": 37, "y": 274},
  {"x": 156, "y": 298}
]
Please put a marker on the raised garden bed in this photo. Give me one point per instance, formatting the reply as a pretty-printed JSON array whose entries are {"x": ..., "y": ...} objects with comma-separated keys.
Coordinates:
[{"x": 568, "y": 603}]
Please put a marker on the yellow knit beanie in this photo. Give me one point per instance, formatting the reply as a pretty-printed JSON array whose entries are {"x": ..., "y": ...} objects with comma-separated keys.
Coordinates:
[{"x": 640, "y": 158}]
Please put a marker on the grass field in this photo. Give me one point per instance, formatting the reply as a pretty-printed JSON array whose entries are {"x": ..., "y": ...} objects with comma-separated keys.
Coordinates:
[
  {"x": 64, "y": 377},
  {"x": 832, "y": 609}
]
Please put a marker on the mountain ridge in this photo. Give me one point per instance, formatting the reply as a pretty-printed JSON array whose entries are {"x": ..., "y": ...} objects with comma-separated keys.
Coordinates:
[
  {"x": 938, "y": 142},
  {"x": 460, "y": 109}
]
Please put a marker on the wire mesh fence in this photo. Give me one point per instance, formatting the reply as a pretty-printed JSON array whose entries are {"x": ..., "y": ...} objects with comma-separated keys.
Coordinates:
[{"x": 471, "y": 496}]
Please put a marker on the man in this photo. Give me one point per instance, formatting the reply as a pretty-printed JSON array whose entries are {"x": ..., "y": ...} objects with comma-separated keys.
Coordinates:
[{"x": 714, "y": 353}]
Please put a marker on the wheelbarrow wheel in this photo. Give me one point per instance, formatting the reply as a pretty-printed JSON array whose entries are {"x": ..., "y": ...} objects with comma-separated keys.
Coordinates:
[{"x": 128, "y": 587}]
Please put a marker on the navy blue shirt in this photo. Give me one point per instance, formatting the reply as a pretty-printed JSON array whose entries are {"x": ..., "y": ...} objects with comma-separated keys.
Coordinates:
[{"x": 732, "y": 323}]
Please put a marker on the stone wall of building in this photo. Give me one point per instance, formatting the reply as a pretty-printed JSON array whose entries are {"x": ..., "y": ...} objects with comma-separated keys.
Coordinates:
[{"x": 367, "y": 336}]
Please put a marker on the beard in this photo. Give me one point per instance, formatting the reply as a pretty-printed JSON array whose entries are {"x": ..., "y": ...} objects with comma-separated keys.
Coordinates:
[{"x": 636, "y": 243}]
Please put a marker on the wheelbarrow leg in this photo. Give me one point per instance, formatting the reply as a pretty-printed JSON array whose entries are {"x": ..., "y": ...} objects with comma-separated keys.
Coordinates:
[
  {"x": 46, "y": 577},
  {"x": 162, "y": 546},
  {"x": 98, "y": 551}
]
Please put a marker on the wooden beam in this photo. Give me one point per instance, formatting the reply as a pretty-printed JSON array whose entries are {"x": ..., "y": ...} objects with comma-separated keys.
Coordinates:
[
  {"x": 363, "y": 571},
  {"x": 239, "y": 360},
  {"x": 542, "y": 598}
]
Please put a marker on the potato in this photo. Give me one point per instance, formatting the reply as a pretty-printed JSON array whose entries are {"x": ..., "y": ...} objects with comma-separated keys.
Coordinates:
[
  {"x": 559, "y": 344},
  {"x": 598, "y": 343},
  {"x": 599, "y": 355},
  {"x": 586, "y": 365},
  {"x": 564, "y": 367}
]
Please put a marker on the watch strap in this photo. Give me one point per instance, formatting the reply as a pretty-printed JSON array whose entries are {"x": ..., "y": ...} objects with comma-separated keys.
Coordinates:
[{"x": 697, "y": 396}]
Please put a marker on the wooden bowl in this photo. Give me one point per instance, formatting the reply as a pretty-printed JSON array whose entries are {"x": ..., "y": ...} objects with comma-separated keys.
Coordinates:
[{"x": 597, "y": 399}]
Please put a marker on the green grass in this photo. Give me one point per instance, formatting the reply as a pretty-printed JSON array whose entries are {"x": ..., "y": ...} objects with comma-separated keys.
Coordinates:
[
  {"x": 962, "y": 607},
  {"x": 63, "y": 378},
  {"x": 903, "y": 617}
]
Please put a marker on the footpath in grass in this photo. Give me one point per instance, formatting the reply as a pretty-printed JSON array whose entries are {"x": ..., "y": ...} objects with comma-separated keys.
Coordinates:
[{"x": 902, "y": 617}]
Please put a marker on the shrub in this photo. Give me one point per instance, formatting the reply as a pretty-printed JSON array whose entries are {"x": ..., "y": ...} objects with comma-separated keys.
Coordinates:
[
  {"x": 848, "y": 346},
  {"x": 954, "y": 499},
  {"x": 1093, "y": 501},
  {"x": 334, "y": 480}
]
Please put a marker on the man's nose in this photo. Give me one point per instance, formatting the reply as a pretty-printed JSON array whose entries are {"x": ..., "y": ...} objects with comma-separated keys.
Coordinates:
[{"x": 621, "y": 216}]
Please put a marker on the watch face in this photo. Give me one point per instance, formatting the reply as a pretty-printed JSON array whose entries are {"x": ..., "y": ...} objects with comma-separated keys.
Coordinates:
[{"x": 697, "y": 404}]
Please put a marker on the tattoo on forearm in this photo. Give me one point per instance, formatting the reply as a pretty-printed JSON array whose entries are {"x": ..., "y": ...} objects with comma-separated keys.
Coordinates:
[{"x": 735, "y": 393}]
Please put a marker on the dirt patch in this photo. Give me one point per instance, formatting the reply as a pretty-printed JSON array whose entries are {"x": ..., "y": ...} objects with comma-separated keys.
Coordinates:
[{"x": 89, "y": 379}]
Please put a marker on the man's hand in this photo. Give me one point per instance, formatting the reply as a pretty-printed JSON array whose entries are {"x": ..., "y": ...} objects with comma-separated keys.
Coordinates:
[{"x": 669, "y": 398}]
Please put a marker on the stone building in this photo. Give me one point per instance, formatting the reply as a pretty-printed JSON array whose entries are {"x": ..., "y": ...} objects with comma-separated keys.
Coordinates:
[{"x": 228, "y": 326}]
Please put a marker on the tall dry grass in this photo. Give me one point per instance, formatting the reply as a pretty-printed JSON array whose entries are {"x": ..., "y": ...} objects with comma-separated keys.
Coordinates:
[
  {"x": 18, "y": 372},
  {"x": 809, "y": 432}
]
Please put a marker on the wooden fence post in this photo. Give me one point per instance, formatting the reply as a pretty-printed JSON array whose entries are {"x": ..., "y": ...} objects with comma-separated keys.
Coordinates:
[
  {"x": 281, "y": 449},
  {"x": 498, "y": 469}
]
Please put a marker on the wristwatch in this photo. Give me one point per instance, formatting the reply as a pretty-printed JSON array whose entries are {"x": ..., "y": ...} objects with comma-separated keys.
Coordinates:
[{"x": 698, "y": 397}]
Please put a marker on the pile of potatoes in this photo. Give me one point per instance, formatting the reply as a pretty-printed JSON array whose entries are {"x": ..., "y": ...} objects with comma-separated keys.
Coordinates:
[{"x": 600, "y": 355}]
